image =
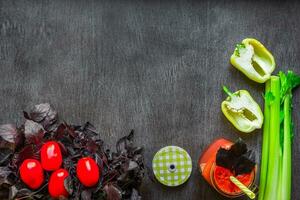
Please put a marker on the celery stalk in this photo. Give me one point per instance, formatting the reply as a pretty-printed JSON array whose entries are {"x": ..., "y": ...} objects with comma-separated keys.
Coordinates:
[
  {"x": 286, "y": 170},
  {"x": 280, "y": 175},
  {"x": 289, "y": 81},
  {"x": 270, "y": 192},
  {"x": 265, "y": 145}
]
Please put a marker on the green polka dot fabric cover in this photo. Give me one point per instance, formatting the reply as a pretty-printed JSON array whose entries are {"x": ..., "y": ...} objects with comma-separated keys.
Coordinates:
[{"x": 172, "y": 166}]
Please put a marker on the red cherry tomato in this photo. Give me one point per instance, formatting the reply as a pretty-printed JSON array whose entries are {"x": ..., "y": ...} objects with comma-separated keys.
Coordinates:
[
  {"x": 87, "y": 172},
  {"x": 32, "y": 173},
  {"x": 51, "y": 157},
  {"x": 56, "y": 185}
]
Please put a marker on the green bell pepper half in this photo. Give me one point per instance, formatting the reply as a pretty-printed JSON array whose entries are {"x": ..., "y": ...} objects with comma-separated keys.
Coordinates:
[
  {"x": 253, "y": 59},
  {"x": 242, "y": 110}
]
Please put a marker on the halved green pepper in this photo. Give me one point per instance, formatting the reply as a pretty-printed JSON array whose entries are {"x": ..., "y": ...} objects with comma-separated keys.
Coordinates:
[
  {"x": 242, "y": 110},
  {"x": 254, "y": 60}
]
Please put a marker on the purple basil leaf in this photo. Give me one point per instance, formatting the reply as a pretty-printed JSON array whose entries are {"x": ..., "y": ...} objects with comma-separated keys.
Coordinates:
[
  {"x": 237, "y": 159},
  {"x": 20, "y": 139},
  {"x": 125, "y": 143},
  {"x": 34, "y": 133},
  {"x": 40, "y": 112},
  {"x": 8, "y": 132},
  {"x": 26, "y": 115},
  {"x": 60, "y": 131},
  {"x": 244, "y": 165},
  {"x": 86, "y": 195},
  {"x": 89, "y": 129},
  {"x": 112, "y": 192},
  {"x": 239, "y": 148},
  {"x": 132, "y": 165},
  {"x": 45, "y": 115},
  {"x": 68, "y": 183},
  {"x": 5, "y": 156},
  {"x": 92, "y": 146},
  {"x": 19, "y": 192},
  {"x": 99, "y": 161},
  {"x": 27, "y": 152},
  {"x": 225, "y": 159},
  {"x": 135, "y": 195},
  {"x": 13, "y": 191},
  {"x": 70, "y": 131},
  {"x": 32, "y": 128},
  {"x": 51, "y": 116},
  {"x": 63, "y": 148},
  {"x": 6, "y": 176},
  {"x": 4, "y": 193}
]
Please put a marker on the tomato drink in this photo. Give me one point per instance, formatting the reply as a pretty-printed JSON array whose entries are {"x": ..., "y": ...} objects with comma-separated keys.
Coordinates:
[{"x": 218, "y": 176}]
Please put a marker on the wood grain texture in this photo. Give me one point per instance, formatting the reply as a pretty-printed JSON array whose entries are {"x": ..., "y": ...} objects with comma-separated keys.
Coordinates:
[{"x": 153, "y": 66}]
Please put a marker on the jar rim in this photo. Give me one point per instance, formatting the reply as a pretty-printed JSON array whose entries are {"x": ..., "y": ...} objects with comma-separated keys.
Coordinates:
[{"x": 234, "y": 195}]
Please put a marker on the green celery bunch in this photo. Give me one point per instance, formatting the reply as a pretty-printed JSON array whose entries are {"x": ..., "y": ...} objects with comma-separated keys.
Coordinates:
[{"x": 275, "y": 178}]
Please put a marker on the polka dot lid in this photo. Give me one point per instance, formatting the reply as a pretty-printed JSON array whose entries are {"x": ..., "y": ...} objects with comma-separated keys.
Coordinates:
[{"x": 172, "y": 166}]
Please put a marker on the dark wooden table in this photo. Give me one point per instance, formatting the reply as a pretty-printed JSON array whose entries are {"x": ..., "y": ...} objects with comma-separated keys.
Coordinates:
[{"x": 153, "y": 66}]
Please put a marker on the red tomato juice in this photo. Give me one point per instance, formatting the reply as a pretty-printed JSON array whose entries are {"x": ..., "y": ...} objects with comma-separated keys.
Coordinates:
[{"x": 218, "y": 176}]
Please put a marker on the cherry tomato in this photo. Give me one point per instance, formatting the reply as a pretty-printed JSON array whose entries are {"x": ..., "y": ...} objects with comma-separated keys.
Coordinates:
[
  {"x": 32, "y": 173},
  {"x": 56, "y": 185},
  {"x": 87, "y": 171},
  {"x": 51, "y": 157}
]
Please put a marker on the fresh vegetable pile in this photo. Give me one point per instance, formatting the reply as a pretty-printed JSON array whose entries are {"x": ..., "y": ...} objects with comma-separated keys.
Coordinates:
[
  {"x": 257, "y": 63},
  {"x": 46, "y": 158}
]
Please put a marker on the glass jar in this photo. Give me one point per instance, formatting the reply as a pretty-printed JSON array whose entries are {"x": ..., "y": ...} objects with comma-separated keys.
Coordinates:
[{"x": 207, "y": 166}]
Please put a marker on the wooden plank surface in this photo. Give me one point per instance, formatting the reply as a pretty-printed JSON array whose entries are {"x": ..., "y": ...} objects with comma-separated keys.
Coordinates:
[{"x": 153, "y": 66}]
